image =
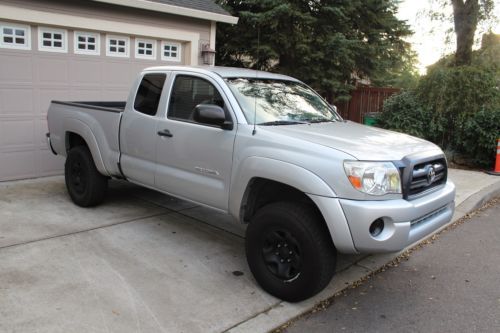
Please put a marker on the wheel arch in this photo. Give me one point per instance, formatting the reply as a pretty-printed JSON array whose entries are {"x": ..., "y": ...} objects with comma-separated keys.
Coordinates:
[
  {"x": 272, "y": 179},
  {"x": 262, "y": 191},
  {"x": 78, "y": 133}
]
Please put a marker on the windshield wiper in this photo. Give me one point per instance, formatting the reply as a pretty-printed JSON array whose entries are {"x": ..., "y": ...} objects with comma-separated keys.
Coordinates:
[
  {"x": 321, "y": 121},
  {"x": 283, "y": 122}
]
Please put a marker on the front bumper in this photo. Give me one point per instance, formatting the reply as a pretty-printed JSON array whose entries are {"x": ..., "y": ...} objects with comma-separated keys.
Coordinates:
[{"x": 405, "y": 221}]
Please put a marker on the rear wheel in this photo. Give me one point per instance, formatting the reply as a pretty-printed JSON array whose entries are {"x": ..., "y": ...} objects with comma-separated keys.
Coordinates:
[
  {"x": 86, "y": 186},
  {"x": 289, "y": 250}
]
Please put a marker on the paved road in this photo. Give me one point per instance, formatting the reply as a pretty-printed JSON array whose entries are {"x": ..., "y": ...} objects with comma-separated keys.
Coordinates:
[{"x": 451, "y": 285}]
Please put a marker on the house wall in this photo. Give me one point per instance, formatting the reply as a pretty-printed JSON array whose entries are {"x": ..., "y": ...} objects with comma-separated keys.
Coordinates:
[{"x": 30, "y": 79}]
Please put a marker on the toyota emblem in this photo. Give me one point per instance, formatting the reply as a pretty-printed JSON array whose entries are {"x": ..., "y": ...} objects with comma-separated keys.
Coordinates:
[{"x": 431, "y": 175}]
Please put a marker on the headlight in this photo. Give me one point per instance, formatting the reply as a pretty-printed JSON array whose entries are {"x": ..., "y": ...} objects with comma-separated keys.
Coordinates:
[{"x": 375, "y": 178}]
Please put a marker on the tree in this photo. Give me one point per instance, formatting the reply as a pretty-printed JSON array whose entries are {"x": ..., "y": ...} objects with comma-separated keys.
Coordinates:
[
  {"x": 467, "y": 16},
  {"x": 326, "y": 43}
]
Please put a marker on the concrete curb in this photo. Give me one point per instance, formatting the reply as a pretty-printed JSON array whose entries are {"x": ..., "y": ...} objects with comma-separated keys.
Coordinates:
[{"x": 282, "y": 312}]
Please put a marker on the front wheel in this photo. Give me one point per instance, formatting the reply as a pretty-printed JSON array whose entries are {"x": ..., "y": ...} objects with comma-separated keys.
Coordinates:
[
  {"x": 289, "y": 250},
  {"x": 86, "y": 186}
]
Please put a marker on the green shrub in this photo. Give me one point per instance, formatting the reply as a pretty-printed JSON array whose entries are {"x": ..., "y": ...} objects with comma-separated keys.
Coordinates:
[
  {"x": 477, "y": 138},
  {"x": 404, "y": 113},
  {"x": 454, "y": 94},
  {"x": 457, "y": 108}
]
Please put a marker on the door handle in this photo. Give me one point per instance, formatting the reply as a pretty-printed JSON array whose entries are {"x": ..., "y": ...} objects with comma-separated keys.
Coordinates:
[{"x": 165, "y": 132}]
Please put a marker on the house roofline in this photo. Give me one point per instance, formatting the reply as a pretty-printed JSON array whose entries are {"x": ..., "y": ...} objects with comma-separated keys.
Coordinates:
[{"x": 176, "y": 10}]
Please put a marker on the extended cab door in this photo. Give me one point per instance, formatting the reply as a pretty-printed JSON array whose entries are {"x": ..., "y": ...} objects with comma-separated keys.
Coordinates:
[
  {"x": 138, "y": 129},
  {"x": 194, "y": 160}
]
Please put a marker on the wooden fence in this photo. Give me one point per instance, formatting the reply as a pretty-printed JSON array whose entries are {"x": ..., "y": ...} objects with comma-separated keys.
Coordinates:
[{"x": 364, "y": 100}]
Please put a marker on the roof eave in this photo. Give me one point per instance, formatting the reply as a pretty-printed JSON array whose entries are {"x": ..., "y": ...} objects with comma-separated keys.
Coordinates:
[{"x": 176, "y": 10}]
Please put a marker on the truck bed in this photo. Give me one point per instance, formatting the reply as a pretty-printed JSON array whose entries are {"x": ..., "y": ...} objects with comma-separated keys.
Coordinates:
[
  {"x": 102, "y": 106},
  {"x": 98, "y": 123}
]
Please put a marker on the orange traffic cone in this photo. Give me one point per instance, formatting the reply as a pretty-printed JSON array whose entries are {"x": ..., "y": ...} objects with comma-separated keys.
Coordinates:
[{"x": 496, "y": 172}]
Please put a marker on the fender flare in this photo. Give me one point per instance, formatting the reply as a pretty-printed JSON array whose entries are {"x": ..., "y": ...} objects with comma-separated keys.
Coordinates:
[
  {"x": 276, "y": 170},
  {"x": 77, "y": 126}
]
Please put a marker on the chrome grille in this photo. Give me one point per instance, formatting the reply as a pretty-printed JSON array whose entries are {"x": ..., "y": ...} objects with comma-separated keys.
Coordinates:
[{"x": 427, "y": 175}]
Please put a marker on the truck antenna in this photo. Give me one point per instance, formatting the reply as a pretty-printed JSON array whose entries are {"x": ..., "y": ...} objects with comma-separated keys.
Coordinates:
[{"x": 256, "y": 77}]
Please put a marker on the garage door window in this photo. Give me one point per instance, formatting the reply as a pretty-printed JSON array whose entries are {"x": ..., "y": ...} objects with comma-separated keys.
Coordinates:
[
  {"x": 170, "y": 51},
  {"x": 87, "y": 43},
  {"x": 145, "y": 49},
  {"x": 14, "y": 36},
  {"x": 52, "y": 40},
  {"x": 117, "y": 46}
]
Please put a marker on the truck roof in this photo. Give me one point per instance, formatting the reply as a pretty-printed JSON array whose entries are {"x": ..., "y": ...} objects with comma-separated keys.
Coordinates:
[{"x": 225, "y": 72}]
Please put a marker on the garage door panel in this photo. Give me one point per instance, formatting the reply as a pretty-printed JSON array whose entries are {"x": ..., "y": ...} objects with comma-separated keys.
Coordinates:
[
  {"x": 15, "y": 101},
  {"x": 31, "y": 79},
  {"x": 119, "y": 74},
  {"x": 15, "y": 67},
  {"x": 114, "y": 94},
  {"x": 41, "y": 129},
  {"x": 16, "y": 133},
  {"x": 46, "y": 95},
  {"x": 84, "y": 94},
  {"x": 17, "y": 165},
  {"x": 85, "y": 71},
  {"x": 48, "y": 163},
  {"x": 53, "y": 70},
  {"x": 139, "y": 67}
]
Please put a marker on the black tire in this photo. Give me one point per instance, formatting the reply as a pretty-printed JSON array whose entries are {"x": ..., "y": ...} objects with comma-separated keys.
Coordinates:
[
  {"x": 86, "y": 186},
  {"x": 289, "y": 250}
]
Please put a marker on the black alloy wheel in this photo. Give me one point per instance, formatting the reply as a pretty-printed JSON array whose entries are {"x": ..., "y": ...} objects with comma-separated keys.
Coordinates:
[
  {"x": 281, "y": 253},
  {"x": 85, "y": 185},
  {"x": 77, "y": 176},
  {"x": 289, "y": 250}
]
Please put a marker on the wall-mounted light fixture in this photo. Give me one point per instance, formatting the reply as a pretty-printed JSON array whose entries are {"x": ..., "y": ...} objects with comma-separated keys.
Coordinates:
[{"x": 208, "y": 54}]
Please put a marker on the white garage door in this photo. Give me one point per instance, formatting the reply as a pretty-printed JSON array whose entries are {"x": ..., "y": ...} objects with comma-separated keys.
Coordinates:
[{"x": 43, "y": 66}]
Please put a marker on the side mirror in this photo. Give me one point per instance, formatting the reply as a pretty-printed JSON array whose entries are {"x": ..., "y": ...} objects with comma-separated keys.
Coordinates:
[{"x": 212, "y": 115}]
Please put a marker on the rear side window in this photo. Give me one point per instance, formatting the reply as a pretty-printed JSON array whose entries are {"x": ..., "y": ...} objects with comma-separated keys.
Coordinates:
[{"x": 149, "y": 93}]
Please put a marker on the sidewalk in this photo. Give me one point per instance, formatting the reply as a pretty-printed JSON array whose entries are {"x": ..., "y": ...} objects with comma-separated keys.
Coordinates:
[{"x": 146, "y": 262}]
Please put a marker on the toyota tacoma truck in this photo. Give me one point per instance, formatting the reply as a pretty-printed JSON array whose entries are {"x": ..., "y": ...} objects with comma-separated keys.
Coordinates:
[{"x": 267, "y": 150}]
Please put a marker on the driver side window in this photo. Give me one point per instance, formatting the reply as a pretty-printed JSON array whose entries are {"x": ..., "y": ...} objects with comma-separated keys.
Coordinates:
[{"x": 187, "y": 93}]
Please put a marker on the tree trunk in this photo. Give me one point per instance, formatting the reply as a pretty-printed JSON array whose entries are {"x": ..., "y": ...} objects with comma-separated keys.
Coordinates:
[{"x": 465, "y": 15}]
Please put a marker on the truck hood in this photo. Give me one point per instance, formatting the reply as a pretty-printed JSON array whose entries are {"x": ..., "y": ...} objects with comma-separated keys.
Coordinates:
[{"x": 360, "y": 141}]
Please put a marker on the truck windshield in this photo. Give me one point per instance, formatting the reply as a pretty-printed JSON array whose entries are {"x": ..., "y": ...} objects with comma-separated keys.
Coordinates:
[{"x": 280, "y": 102}]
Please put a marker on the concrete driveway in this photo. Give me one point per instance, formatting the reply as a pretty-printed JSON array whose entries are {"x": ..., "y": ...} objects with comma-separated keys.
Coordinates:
[{"x": 141, "y": 262}]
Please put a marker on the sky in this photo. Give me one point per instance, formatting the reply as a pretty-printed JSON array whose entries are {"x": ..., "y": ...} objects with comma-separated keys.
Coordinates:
[{"x": 429, "y": 37}]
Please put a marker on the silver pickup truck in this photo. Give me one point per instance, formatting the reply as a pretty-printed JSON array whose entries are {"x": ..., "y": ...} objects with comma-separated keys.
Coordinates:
[{"x": 268, "y": 150}]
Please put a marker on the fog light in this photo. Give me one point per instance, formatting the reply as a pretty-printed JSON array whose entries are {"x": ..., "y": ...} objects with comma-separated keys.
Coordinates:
[{"x": 376, "y": 227}]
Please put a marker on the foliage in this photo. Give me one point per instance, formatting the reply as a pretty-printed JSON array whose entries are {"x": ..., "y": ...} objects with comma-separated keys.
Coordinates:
[
  {"x": 455, "y": 94},
  {"x": 487, "y": 56},
  {"x": 405, "y": 113},
  {"x": 324, "y": 43},
  {"x": 455, "y": 107},
  {"x": 478, "y": 137},
  {"x": 403, "y": 75}
]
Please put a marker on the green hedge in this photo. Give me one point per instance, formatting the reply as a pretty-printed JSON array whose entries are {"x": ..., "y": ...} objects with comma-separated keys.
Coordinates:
[
  {"x": 454, "y": 94},
  {"x": 458, "y": 108},
  {"x": 477, "y": 139},
  {"x": 404, "y": 113}
]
